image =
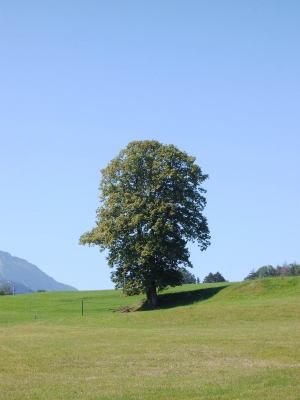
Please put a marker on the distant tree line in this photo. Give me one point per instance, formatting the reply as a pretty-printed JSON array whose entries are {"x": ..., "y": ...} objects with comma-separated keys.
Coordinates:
[
  {"x": 5, "y": 289},
  {"x": 187, "y": 276},
  {"x": 210, "y": 278},
  {"x": 268, "y": 271}
]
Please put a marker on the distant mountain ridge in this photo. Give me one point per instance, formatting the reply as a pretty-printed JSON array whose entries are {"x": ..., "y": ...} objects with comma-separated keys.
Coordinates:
[
  {"x": 16, "y": 287},
  {"x": 21, "y": 271}
]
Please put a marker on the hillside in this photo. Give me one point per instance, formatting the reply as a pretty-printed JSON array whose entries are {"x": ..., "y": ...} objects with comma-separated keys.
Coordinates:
[
  {"x": 226, "y": 341},
  {"x": 191, "y": 304},
  {"x": 21, "y": 271}
]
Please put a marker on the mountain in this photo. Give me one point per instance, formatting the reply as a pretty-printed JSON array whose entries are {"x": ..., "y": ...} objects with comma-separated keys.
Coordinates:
[
  {"x": 16, "y": 287},
  {"x": 21, "y": 271}
]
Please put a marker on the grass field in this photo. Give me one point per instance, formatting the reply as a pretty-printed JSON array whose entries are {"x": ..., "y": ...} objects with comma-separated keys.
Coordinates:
[{"x": 214, "y": 341}]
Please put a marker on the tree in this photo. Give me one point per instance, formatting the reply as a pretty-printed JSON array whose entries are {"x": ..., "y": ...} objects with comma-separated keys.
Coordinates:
[
  {"x": 209, "y": 278},
  {"x": 219, "y": 277},
  {"x": 151, "y": 206},
  {"x": 5, "y": 289},
  {"x": 267, "y": 271},
  {"x": 283, "y": 270},
  {"x": 251, "y": 276},
  {"x": 187, "y": 276},
  {"x": 213, "y": 278},
  {"x": 295, "y": 269}
]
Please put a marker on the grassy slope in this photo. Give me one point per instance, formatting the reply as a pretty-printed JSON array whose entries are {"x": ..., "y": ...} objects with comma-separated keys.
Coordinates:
[{"x": 222, "y": 341}]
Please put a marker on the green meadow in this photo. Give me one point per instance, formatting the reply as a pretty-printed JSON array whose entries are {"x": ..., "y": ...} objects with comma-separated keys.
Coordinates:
[{"x": 213, "y": 341}]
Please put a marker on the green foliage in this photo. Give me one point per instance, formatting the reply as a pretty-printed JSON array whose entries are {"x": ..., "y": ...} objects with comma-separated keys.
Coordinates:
[
  {"x": 295, "y": 269},
  {"x": 151, "y": 206},
  {"x": 188, "y": 278},
  {"x": 5, "y": 289},
  {"x": 252, "y": 275},
  {"x": 269, "y": 271},
  {"x": 266, "y": 271},
  {"x": 213, "y": 278}
]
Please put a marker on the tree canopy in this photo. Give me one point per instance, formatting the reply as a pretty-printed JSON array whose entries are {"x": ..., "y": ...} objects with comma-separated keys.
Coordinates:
[
  {"x": 151, "y": 207},
  {"x": 188, "y": 277},
  {"x": 213, "y": 278},
  {"x": 5, "y": 289},
  {"x": 268, "y": 271}
]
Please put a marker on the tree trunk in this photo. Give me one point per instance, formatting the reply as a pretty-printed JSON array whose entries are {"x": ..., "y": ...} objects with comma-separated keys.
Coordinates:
[{"x": 152, "y": 296}]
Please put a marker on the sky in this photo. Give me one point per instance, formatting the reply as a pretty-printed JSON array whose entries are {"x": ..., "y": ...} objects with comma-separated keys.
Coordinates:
[{"x": 79, "y": 80}]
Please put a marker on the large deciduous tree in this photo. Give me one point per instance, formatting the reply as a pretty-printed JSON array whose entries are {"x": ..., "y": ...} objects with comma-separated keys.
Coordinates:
[{"x": 151, "y": 206}]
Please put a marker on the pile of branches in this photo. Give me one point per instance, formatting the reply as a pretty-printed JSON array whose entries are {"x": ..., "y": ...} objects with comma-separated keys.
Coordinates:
[{"x": 125, "y": 309}]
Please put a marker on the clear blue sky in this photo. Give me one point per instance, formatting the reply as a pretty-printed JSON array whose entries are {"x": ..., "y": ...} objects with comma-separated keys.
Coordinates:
[{"x": 79, "y": 80}]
